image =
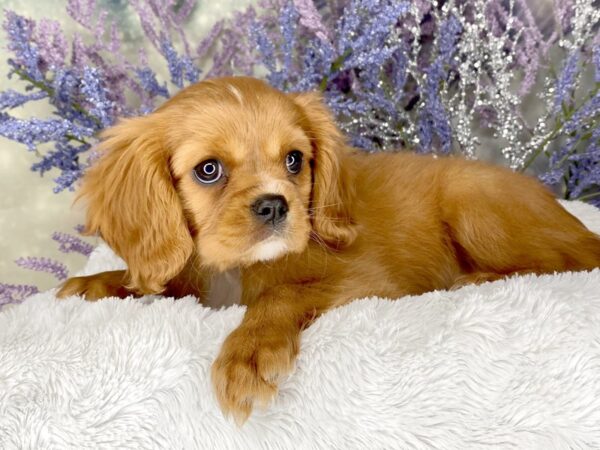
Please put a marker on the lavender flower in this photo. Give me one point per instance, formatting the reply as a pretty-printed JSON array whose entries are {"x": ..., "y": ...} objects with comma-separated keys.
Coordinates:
[
  {"x": 67, "y": 179},
  {"x": 20, "y": 42},
  {"x": 434, "y": 120},
  {"x": 147, "y": 79},
  {"x": 96, "y": 95},
  {"x": 69, "y": 244},
  {"x": 264, "y": 46},
  {"x": 565, "y": 83},
  {"x": 287, "y": 25},
  {"x": 64, "y": 157},
  {"x": 449, "y": 33},
  {"x": 584, "y": 168},
  {"x": 82, "y": 11},
  {"x": 12, "y": 99},
  {"x": 181, "y": 68},
  {"x": 311, "y": 19},
  {"x": 56, "y": 268},
  {"x": 15, "y": 293},
  {"x": 52, "y": 44},
  {"x": 588, "y": 111},
  {"x": 35, "y": 131},
  {"x": 419, "y": 74}
]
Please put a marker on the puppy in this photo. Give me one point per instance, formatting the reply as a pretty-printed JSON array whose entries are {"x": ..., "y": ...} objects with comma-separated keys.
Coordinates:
[{"x": 233, "y": 175}]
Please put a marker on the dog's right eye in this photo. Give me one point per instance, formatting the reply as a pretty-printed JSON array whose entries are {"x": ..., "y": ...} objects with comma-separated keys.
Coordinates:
[{"x": 209, "y": 171}]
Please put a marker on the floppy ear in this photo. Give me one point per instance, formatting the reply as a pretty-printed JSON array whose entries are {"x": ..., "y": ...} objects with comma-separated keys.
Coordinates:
[
  {"x": 332, "y": 192},
  {"x": 133, "y": 204}
]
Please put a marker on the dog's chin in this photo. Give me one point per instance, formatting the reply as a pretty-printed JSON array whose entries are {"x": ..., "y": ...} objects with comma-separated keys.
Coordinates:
[{"x": 268, "y": 250}]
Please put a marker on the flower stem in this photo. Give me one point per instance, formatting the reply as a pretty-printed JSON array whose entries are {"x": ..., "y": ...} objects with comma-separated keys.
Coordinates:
[
  {"x": 588, "y": 196},
  {"x": 335, "y": 66}
]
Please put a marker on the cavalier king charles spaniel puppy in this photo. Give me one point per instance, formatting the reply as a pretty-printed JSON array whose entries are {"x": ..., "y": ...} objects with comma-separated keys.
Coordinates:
[{"x": 232, "y": 178}]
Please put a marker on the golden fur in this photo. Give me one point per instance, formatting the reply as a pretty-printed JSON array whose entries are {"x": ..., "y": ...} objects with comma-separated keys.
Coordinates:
[{"x": 358, "y": 224}]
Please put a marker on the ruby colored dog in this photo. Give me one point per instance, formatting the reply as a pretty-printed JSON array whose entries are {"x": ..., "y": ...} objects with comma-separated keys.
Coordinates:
[{"x": 232, "y": 176}]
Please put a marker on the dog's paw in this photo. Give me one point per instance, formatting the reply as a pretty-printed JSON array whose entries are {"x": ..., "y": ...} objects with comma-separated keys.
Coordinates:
[
  {"x": 94, "y": 287},
  {"x": 249, "y": 368}
]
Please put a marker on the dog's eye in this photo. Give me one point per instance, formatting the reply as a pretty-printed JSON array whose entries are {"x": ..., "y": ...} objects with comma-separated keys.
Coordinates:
[
  {"x": 293, "y": 161},
  {"x": 209, "y": 171}
]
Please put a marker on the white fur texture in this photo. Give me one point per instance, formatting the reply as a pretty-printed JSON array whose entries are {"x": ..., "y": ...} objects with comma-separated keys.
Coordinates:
[
  {"x": 510, "y": 364},
  {"x": 269, "y": 249}
]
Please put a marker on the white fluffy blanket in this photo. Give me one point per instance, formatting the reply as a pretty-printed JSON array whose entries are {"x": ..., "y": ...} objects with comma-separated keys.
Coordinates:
[{"x": 510, "y": 364}]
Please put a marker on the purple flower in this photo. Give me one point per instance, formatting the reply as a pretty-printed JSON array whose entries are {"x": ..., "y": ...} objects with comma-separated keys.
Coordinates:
[
  {"x": 12, "y": 99},
  {"x": 264, "y": 46},
  {"x": 311, "y": 19},
  {"x": 552, "y": 177},
  {"x": 566, "y": 81},
  {"x": 372, "y": 23},
  {"x": 589, "y": 110},
  {"x": 530, "y": 45},
  {"x": 316, "y": 61},
  {"x": 161, "y": 19},
  {"x": 433, "y": 120},
  {"x": 66, "y": 180},
  {"x": 96, "y": 96},
  {"x": 35, "y": 131},
  {"x": 20, "y": 33},
  {"x": 181, "y": 68},
  {"x": 64, "y": 157},
  {"x": 557, "y": 169},
  {"x": 237, "y": 46},
  {"x": 287, "y": 25},
  {"x": 82, "y": 11},
  {"x": 15, "y": 293},
  {"x": 53, "y": 267},
  {"x": 584, "y": 167},
  {"x": 577, "y": 164},
  {"x": 147, "y": 78},
  {"x": 66, "y": 87},
  {"x": 70, "y": 244},
  {"x": 52, "y": 44},
  {"x": 387, "y": 69},
  {"x": 449, "y": 33}
]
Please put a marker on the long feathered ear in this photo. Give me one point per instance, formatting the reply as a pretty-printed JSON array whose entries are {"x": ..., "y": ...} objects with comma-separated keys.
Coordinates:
[
  {"x": 332, "y": 189},
  {"x": 133, "y": 204}
]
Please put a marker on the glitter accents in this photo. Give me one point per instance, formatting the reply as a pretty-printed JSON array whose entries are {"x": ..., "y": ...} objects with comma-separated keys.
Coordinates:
[{"x": 451, "y": 77}]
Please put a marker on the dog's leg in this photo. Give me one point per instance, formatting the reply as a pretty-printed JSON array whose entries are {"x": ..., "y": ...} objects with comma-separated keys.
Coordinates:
[
  {"x": 96, "y": 286},
  {"x": 263, "y": 349},
  {"x": 511, "y": 224},
  {"x": 191, "y": 281}
]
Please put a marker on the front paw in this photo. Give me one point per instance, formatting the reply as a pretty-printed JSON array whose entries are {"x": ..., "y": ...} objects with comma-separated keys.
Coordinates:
[
  {"x": 96, "y": 286},
  {"x": 251, "y": 364}
]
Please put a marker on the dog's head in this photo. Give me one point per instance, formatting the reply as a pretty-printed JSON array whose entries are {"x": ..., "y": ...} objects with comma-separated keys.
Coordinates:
[{"x": 230, "y": 170}]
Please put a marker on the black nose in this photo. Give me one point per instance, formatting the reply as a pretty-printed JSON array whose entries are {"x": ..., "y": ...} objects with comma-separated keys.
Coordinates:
[{"x": 270, "y": 208}]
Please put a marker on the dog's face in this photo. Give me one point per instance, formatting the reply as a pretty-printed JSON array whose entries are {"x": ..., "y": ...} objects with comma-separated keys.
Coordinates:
[
  {"x": 242, "y": 167},
  {"x": 229, "y": 171}
]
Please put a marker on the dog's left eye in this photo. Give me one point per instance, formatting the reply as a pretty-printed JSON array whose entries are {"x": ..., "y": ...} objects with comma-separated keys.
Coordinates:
[
  {"x": 209, "y": 171},
  {"x": 293, "y": 161}
]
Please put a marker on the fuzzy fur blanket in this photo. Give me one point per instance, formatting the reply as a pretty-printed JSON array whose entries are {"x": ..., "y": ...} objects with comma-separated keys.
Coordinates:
[{"x": 510, "y": 364}]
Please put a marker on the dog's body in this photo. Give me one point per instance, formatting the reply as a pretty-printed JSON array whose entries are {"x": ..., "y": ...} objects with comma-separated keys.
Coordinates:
[{"x": 344, "y": 226}]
